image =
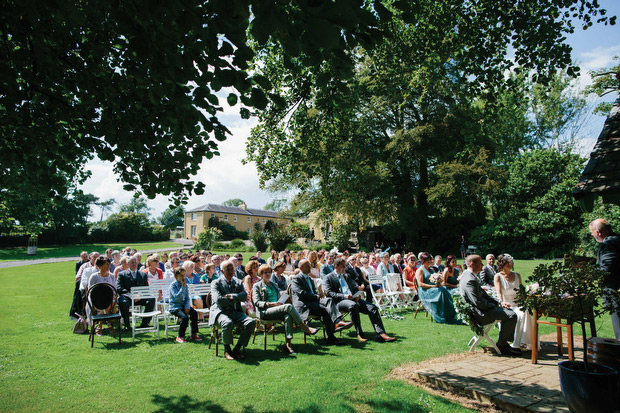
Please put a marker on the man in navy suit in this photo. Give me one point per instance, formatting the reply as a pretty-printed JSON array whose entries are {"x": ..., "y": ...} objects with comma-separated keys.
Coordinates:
[
  {"x": 125, "y": 281},
  {"x": 342, "y": 289},
  {"x": 609, "y": 261}
]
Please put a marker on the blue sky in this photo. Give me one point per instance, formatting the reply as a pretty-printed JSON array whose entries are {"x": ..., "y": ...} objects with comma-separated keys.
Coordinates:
[{"x": 226, "y": 178}]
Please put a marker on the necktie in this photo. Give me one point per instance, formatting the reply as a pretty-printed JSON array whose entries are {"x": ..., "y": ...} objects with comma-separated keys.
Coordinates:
[
  {"x": 309, "y": 283},
  {"x": 344, "y": 286}
]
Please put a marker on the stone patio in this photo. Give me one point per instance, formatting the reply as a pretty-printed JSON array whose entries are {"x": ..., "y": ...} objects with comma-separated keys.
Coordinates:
[{"x": 491, "y": 382}]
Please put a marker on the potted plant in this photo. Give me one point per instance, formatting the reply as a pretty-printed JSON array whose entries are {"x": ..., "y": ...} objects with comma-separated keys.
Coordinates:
[{"x": 574, "y": 290}]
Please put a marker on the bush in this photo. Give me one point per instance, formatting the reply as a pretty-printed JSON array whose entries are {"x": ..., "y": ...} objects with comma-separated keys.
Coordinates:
[
  {"x": 237, "y": 244},
  {"x": 340, "y": 237},
  {"x": 319, "y": 247},
  {"x": 229, "y": 232},
  {"x": 206, "y": 238},
  {"x": 220, "y": 246},
  {"x": 127, "y": 227},
  {"x": 280, "y": 238},
  {"x": 293, "y": 246},
  {"x": 259, "y": 239}
]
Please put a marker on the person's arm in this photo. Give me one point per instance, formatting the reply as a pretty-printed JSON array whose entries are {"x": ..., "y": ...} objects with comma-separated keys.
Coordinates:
[
  {"x": 330, "y": 290},
  {"x": 419, "y": 275},
  {"x": 300, "y": 291},
  {"x": 247, "y": 285},
  {"x": 608, "y": 255},
  {"x": 258, "y": 300},
  {"x": 498, "y": 288}
]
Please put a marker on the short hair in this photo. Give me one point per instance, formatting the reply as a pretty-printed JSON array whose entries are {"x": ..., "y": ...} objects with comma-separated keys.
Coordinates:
[
  {"x": 224, "y": 264},
  {"x": 209, "y": 266},
  {"x": 125, "y": 259},
  {"x": 116, "y": 252},
  {"x": 438, "y": 256},
  {"x": 279, "y": 264},
  {"x": 238, "y": 255},
  {"x": 364, "y": 261},
  {"x": 264, "y": 268},
  {"x": 472, "y": 258},
  {"x": 602, "y": 225},
  {"x": 102, "y": 259},
  {"x": 216, "y": 257},
  {"x": 504, "y": 259},
  {"x": 425, "y": 256},
  {"x": 92, "y": 254},
  {"x": 252, "y": 265},
  {"x": 489, "y": 255},
  {"x": 187, "y": 264},
  {"x": 179, "y": 270},
  {"x": 339, "y": 261},
  {"x": 151, "y": 258}
]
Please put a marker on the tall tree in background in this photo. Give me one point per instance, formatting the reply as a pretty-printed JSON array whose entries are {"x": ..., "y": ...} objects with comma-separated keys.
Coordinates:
[
  {"x": 172, "y": 217},
  {"x": 235, "y": 202},
  {"x": 137, "y": 205}
]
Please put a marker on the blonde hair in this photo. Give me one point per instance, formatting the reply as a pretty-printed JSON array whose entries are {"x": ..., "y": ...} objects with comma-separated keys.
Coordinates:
[
  {"x": 264, "y": 268},
  {"x": 151, "y": 258},
  {"x": 186, "y": 266},
  {"x": 252, "y": 265}
]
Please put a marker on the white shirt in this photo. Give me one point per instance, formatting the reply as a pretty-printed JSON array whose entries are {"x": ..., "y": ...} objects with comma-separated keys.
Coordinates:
[{"x": 86, "y": 276}]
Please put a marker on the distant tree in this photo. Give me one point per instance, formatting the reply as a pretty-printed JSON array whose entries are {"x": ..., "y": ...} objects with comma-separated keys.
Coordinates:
[
  {"x": 172, "y": 217},
  {"x": 137, "y": 205},
  {"x": 276, "y": 205},
  {"x": 604, "y": 81},
  {"x": 259, "y": 238},
  {"x": 206, "y": 238},
  {"x": 235, "y": 202},
  {"x": 105, "y": 206}
]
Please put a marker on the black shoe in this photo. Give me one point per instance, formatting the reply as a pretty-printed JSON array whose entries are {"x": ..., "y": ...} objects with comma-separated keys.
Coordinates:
[
  {"x": 144, "y": 325},
  {"x": 509, "y": 351},
  {"x": 236, "y": 353}
]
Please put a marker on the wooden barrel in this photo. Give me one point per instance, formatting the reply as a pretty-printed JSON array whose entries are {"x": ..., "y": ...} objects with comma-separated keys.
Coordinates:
[{"x": 605, "y": 351}]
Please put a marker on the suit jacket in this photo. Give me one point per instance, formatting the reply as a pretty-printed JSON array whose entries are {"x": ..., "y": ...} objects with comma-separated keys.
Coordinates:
[
  {"x": 332, "y": 288},
  {"x": 125, "y": 281},
  {"x": 355, "y": 273},
  {"x": 326, "y": 269},
  {"x": 609, "y": 260},
  {"x": 487, "y": 275},
  {"x": 222, "y": 304},
  {"x": 240, "y": 274},
  {"x": 260, "y": 297},
  {"x": 304, "y": 296},
  {"x": 472, "y": 292}
]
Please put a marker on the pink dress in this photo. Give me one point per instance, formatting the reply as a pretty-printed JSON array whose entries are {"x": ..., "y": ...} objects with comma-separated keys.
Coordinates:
[{"x": 249, "y": 307}]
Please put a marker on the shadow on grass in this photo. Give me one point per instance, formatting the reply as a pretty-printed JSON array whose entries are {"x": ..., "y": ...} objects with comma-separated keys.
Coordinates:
[{"x": 184, "y": 404}]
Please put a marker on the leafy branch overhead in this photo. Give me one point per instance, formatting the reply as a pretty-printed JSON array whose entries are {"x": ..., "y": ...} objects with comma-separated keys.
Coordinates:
[{"x": 143, "y": 84}]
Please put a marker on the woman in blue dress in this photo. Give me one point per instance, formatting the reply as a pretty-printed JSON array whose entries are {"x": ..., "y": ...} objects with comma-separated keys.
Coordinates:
[
  {"x": 451, "y": 275},
  {"x": 436, "y": 298}
]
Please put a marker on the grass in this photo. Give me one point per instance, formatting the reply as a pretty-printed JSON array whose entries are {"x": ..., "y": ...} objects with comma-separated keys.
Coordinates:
[
  {"x": 74, "y": 250},
  {"x": 43, "y": 366}
]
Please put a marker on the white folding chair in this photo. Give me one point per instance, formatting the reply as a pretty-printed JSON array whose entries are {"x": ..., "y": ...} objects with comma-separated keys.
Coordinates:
[
  {"x": 392, "y": 281},
  {"x": 143, "y": 293},
  {"x": 201, "y": 290},
  {"x": 163, "y": 287},
  {"x": 485, "y": 335},
  {"x": 384, "y": 299}
]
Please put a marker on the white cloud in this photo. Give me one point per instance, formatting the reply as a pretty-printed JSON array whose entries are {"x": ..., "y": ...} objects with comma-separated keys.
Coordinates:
[{"x": 599, "y": 57}]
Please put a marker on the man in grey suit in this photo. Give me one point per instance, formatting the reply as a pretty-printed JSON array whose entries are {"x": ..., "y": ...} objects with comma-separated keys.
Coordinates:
[
  {"x": 227, "y": 294},
  {"x": 487, "y": 309},
  {"x": 609, "y": 261},
  {"x": 307, "y": 302},
  {"x": 487, "y": 275},
  {"x": 342, "y": 289},
  {"x": 125, "y": 281}
]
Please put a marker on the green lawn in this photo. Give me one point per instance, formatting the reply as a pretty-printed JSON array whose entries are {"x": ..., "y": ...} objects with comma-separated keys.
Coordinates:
[
  {"x": 44, "y": 367},
  {"x": 74, "y": 250}
]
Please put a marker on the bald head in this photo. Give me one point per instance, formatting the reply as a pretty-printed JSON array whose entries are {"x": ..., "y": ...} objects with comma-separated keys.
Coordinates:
[
  {"x": 304, "y": 266},
  {"x": 600, "y": 229}
]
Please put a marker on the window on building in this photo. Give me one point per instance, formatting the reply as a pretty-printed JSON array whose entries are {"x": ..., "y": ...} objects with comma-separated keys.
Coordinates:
[
  {"x": 264, "y": 220},
  {"x": 249, "y": 220},
  {"x": 212, "y": 215},
  {"x": 193, "y": 230},
  {"x": 194, "y": 216},
  {"x": 226, "y": 218},
  {"x": 235, "y": 218},
  {"x": 249, "y": 231}
]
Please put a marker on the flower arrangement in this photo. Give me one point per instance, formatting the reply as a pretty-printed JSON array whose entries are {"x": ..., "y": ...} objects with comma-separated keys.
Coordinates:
[
  {"x": 463, "y": 313},
  {"x": 437, "y": 279}
]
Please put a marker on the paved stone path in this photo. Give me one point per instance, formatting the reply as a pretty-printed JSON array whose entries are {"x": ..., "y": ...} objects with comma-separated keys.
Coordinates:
[
  {"x": 512, "y": 384},
  {"x": 8, "y": 264}
]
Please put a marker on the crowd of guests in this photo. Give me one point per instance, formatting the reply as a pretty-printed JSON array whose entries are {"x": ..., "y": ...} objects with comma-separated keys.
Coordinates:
[{"x": 295, "y": 286}]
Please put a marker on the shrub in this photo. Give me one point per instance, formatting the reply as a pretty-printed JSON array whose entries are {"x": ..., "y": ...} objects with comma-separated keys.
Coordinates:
[
  {"x": 319, "y": 247},
  {"x": 219, "y": 246},
  {"x": 206, "y": 238},
  {"x": 280, "y": 238},
  {"x": 293, "y": 246},
  {"x": 237, "y": 243},
  {"x": 127, "y": 227},
  {"x": 259, "y": 239}
]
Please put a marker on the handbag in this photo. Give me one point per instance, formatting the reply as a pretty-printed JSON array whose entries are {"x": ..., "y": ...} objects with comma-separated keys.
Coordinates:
[{"x": 80, "y": 326}]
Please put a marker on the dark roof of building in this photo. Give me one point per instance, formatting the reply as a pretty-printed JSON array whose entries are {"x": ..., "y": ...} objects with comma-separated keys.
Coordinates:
[
  {"x": 601, "y": 176},
  {"x": 236, "y": 210}
]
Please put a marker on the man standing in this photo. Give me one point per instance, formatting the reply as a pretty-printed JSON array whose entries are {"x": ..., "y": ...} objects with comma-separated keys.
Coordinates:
[
  {"x": 487, "y": 275},
  {"x": 126, "y": 281},
  {"x": 307, "y": 302},
  {"x": 227, "y": 294},
  {"x": 486, "y": 309},
  {"x": 608, "y": 258},
  {"x": 342, "y": 289}
]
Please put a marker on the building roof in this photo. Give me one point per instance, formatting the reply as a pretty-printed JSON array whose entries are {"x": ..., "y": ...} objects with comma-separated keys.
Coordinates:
[
  {"x": 236, "y": 210},
  {"x": 601, "y": 176}
]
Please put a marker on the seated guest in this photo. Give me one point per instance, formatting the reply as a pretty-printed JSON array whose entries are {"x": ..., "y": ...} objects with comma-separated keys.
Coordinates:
[
  {"x": 368, "y": 270},
  {"x": 173, "y": 263},
  {"x": 125, "y": 281},
  {"x": 507, "y": 284},
  {"x": 139, "y": 258},
  {"x": 77, "y": 304},
  {"x": 384, "y": 267},
  {"x": 249, "y": 280},
  {"x": 217, "y": 260},
  {"x": 437, "y": 266},
  {"x": 193, "y": 278},
  {"x": 151, "y": 268},
  {"x": 273, "y": 259},
  {"x": 307, "y": 302},
  {"x": 315, "y": 266},
  {"x": 265, "y": 295},
  {"x": 163, "y": 263},
  {"x": 124, "y": 266},
  {"x": 358, "y": 275},
  {"x": 207, "y": 277},
  {"x": 239, "y": 273},
  {"x": 181, "y": 307},
  {"x": 102, "y": 276},
  {"x": 435, "y": 297},
  {"x": 116, "y": 260},
  {"x": 341, "y": 288},
  {"x": 278, "y": 275},
  {"x": 284, "y": 256},
  {"x": 451, "y": 273},
  {"x": 227, "y": 294},
  {"x": 328, "y": 267},
  {"x": 485, "y": 308},
  {"x": 487, "y": 275},
  {"x": 259, "y": 257},
  {"x": 83, "y": 260},
  {"x": 300, "y": 256},
  {"x": 239, "y": 257},
  {"x": 199, "y": 265},
  {"x": 409, "y": 273},
  {"x": 86, "y": 271}
]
